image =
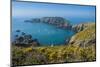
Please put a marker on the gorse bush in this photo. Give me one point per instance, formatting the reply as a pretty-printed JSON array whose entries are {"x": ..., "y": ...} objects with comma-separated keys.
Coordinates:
[
  {"x": 88, "y": 54},
  {"x": 56, "y": 54}
]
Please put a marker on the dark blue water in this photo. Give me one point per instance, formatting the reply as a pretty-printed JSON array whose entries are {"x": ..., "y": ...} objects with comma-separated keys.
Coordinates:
[{"x": 45, "y": 33}]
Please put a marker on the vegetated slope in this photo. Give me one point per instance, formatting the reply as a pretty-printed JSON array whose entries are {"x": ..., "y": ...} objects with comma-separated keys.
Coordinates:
[
  {"x": 48, "y": 55},
  {"x": 85, "y": 37}
]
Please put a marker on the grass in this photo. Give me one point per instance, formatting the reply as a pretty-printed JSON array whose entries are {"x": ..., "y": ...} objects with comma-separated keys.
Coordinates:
[
  {"x": 56, "y": 54},
  {"x": 87, "y": 33},
  {"x": 83, "y": 37}
]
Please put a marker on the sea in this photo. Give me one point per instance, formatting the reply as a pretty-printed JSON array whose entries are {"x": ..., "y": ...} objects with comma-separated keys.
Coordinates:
[{"x": 46, "y": 34}]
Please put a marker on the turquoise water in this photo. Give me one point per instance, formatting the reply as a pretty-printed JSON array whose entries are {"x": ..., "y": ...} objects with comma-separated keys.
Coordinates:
[{"x": 45, "y": 33}]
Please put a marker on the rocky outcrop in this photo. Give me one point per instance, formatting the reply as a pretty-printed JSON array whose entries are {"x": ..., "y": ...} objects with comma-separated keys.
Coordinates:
[
  {"x": 25, "y": 40},
  {"x": 84, "y": 37},
  {"x": 59, "y": 22},
  {"x": 80, "y": 27}
]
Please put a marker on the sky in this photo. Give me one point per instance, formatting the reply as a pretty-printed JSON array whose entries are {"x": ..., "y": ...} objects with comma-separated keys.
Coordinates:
[{"x": 31, "y": 9}]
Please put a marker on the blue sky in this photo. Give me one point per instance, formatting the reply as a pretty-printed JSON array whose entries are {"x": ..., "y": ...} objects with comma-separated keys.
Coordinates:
[{"x": 28, "y": 9}]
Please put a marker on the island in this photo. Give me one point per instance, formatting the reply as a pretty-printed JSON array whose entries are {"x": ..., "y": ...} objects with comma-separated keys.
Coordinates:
[{"x": 58, "y": 22}]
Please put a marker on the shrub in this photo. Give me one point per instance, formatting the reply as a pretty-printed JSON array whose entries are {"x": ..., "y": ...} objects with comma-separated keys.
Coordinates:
[{"x": 56, "y": 54}]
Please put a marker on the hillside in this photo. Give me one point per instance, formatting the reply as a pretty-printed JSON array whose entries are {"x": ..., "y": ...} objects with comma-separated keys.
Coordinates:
[{"x": 86, "y": 36}]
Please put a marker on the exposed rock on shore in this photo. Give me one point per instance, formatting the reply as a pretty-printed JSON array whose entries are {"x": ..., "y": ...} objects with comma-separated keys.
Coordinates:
[{"x": 25, "y": 40}]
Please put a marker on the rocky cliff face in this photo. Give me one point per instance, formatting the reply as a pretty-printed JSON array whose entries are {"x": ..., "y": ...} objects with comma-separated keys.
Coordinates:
[
  {"x": 85, "y": 35},
  {"x": 58, "y": 22}
]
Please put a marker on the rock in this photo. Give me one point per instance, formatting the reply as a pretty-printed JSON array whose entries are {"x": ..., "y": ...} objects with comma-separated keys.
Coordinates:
[
  {"x": 78, "y": 28},
  {"x": 25, "y": 40},
  {"x": 81, "y": 27},
  {"x": 18, "y": 30}
]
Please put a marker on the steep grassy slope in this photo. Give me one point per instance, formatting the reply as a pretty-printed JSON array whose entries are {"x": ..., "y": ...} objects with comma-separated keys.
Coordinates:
[{"x": 85, "y": 37}]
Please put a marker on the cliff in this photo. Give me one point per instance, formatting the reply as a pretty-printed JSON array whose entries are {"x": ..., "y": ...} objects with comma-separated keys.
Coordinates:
[{"x": 80, "y": 27}]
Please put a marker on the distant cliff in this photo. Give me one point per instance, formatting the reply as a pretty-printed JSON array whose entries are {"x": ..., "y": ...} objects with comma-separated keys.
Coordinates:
[{"x": 59, "y": 22}]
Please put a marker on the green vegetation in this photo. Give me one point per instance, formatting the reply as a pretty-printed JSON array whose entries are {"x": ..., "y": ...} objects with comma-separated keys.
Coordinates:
[
  {"x": 87, "y": 33},
  {"x": 56, "y": 54},
  {"x": 85, "y": 37}
]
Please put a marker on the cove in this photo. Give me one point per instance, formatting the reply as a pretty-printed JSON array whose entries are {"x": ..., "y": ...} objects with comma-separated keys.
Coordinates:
[{"x": 46, "y": 34}]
